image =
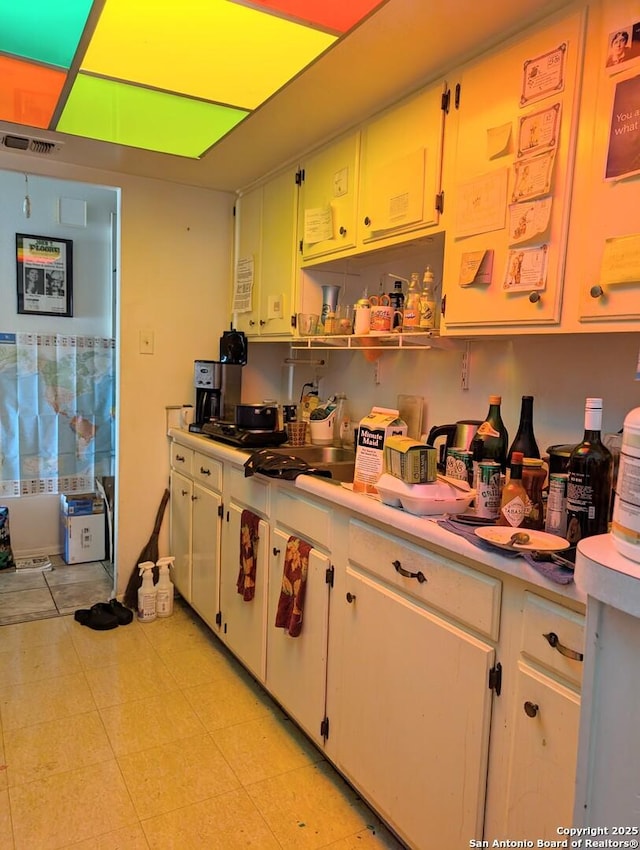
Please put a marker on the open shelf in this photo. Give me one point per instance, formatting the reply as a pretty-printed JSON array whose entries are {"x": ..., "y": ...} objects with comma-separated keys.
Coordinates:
[{"x": 376, "y": 341}]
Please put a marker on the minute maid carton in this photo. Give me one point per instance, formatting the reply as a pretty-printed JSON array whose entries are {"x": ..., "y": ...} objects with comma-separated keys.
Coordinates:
[{"x": 374, "y": 429}]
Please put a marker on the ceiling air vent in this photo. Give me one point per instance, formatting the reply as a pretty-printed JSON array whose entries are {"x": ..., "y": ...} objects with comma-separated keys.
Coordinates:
[{"x": 44, "y": 147}]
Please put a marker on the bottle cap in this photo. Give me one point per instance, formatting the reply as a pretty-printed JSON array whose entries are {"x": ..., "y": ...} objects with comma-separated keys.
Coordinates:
[
  {"x": 530, "y": 461},
  {"x": 593, "y": 404},
  {"x": 495, "y": 399}
]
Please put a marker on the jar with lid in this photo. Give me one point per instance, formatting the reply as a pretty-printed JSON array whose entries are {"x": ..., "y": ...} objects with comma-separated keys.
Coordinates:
[{"x": 533, "y": 478}]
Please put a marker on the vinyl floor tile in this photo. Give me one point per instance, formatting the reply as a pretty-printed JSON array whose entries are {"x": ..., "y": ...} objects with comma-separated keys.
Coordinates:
[
  {"x": 38, "y": 633},
  {"x": 199, "y": 666},
  {"x": 75, "y": 573},
  {"x": 37, "y": 702},
  {"x": 83, "y": 594},
  {"x": 372, "y": 838},
  {"x": 122, "y": 645},
  {"x": 175, "y": 775},
  {"x": 15, "y": 606},
  {"x": 129, "y": 681},
  {"x": 36, "y": 663},
  {"x": 14, "y": 582},
  {"x": 6, "y": 832},
  {"x": 222, "y": 703},
  {"x": 178, "y": 632},
  {"x": 127, "y": 838}
]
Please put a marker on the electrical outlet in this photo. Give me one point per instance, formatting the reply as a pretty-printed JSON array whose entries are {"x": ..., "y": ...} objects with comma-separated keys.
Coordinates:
[{"x": 146, "y": 342}]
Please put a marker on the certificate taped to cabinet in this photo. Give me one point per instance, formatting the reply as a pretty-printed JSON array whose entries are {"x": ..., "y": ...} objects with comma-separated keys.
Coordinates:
[{"x": 527, "y": 269}]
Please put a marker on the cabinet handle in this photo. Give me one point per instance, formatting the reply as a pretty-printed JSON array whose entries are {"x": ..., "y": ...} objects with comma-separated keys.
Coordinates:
[
  {"x": 367, "y": 221},
  {"x": 596, "y": 291},
  {"x": 276, "y": 551},
  {"x": 531, "y": 708},
  {"x": 400, "y": 569},
  {"x": 343, "y": 231},
  {"x": 180, "y": 458},
  {"x": 534, "y": 297},
  {"x": 184, "y": 492},
  {"x": 204, "y": 471},
  {"x": 262, "y": 323},
  {"x": 554, "y": 641},
  {"x": 351, "y": 597}
]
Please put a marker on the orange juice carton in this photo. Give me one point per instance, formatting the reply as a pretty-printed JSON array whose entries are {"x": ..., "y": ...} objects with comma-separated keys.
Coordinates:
[{"x": 374, "y": 429}]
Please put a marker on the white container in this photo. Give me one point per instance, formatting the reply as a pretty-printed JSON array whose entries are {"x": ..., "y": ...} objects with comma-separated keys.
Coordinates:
[
  {"x": 322, "y": 430},
  {"x": 625, "y": 527},
  {"x": 146, "y": 593},
  {"x": 164, "y": 588}
]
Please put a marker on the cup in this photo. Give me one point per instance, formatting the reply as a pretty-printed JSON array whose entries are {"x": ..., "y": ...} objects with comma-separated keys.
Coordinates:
[
  {"x": 362, "y": 317},
  {"x": 344, "y": 319},
  {"x": 307, "y": 323},
  {"x": 296, "y": 433}
]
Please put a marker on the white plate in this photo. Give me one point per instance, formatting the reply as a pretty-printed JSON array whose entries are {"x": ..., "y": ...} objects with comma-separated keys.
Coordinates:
[{"x": 500, "y": 535}]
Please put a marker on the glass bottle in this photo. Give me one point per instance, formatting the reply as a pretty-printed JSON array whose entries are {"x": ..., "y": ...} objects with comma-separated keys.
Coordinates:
[
  {"x": 533, "y": 478},
  {"x": 590, "y": 476},
  {"x": 411, "y": 313},
  {"x": 494, "y": 434},
  {"x": 513, "y": 504},
  {"x": 397, "y": 303},
  {"x": 525, "y": 441},
  {"x": 427, "y": 301}
]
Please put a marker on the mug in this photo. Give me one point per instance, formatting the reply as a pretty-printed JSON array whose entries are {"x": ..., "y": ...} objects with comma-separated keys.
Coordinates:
[
  {"x": 186, "y": 415},
  {"x": 362, "y": 317}
]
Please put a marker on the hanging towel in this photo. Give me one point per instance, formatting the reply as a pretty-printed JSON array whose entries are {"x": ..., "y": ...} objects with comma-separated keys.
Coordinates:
[
  {"x": 294, "y": 585},
  {"x": 249, "y": 524}
]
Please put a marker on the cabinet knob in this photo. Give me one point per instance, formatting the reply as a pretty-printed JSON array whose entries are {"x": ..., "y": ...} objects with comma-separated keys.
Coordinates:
[
  {"x": 554, "y": 641},
  {"x": 194, "y": 498},
  {"x": 262, "y": 323},
  {"x": 596, "y": 291},
  {"x": 351, "y": 597},
  {"x": 534, "y": 297},
  {"x": 343, "y": 231},
  {"x": 204, "y": 471},
  {"x": 420, "y": 576},
  {"x": 251, "y": 322},
  {"x": 276, "y": 551},
  {"x": 531, "y": 708},
  {"x": 367, "y": 221}
]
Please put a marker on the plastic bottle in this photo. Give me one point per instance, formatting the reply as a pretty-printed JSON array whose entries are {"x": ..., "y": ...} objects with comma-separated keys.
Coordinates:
[
  {"x": 411, "y": 313},
  {"x": 164, "y": 587},
  {"x": 146, "y": 593},
  {"x": 590, "y": 474},
  {"x": 427, "y": 301},
  {"x": 494, "y": 434},
  {"x": 533, "y": 478},
  {"x": 525, "y": 440},
  {"x": 513, "y": 504},
  {"x": 342, "y": 422},
  {"x": 626, "y": 509},
  {"x": 397, "y": 303}
]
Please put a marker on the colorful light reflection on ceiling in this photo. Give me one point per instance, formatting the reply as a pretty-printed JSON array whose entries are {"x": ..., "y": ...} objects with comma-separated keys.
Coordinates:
[{"x": 161, "y": 75}]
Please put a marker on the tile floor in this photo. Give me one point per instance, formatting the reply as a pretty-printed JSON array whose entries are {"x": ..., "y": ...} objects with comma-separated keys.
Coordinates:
[
  {"x": 28, "y": 595},
  {"x": 153, "y": 736}
]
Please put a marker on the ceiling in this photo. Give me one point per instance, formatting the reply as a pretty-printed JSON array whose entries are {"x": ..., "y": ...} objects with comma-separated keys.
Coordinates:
[{"x": 402, "y": 45}]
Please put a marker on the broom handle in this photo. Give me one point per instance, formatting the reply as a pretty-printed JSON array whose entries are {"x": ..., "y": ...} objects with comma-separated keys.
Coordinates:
[{"x": 160, "y": 514}]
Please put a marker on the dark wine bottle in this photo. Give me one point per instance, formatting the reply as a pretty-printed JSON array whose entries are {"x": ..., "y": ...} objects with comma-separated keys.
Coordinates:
[
  {"x": 590, "y": 475},
  {"x": 525, "y": 441},
  {"x": 494, "y": 434}
]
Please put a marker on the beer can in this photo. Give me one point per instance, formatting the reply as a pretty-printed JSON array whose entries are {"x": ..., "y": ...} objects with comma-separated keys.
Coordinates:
[
  {"x": 460, "y": 464},
  {"x": 556, "y": 521},
  {"x": 488, "y": 491}
]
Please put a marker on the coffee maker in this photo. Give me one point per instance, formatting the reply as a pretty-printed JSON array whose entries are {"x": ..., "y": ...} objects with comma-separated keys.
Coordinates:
[{"x": 218, "y": 390}]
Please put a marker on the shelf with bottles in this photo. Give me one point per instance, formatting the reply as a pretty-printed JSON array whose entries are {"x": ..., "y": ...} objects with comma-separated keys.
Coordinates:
[{"x": 385, "y": 341}]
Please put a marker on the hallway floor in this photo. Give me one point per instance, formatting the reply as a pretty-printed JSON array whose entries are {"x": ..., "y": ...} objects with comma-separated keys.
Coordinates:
[{"x": 152, "y": 736}]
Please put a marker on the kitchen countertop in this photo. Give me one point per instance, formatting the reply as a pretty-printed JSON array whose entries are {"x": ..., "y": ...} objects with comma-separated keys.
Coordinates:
[{"x": 394, "y": 519}]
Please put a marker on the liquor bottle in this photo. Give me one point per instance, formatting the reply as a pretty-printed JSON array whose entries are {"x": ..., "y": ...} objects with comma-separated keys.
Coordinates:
[
  {"x": 590, "y": 476},
  {"x": 514, "y": 503},
  {"x": 411, "y": 314},
  {"x": 397, "y": 303},
  {"x": 525, "y": 441},
  {"x": 427, "y": 301},
  {"x": 494, "y": 434}
]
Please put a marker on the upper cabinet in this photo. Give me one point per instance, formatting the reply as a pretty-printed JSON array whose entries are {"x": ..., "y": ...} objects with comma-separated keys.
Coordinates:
[
  {"x": 508, "y": 177},
  {"x": 265, "y": 256}
]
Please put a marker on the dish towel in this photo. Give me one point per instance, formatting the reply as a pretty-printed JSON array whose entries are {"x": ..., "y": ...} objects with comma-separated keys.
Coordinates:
[
  {"x": 294, "y": 586},
  {"x": 249, "y": 524},
  {"x": 554, "y": 572}
]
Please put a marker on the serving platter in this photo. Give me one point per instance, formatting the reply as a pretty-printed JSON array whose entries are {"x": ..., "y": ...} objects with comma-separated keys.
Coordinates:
[{"x": 539, "y": 541}]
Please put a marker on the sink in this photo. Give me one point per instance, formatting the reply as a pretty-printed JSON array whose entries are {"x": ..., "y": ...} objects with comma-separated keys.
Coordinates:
[{"x": 340, "y": 462}]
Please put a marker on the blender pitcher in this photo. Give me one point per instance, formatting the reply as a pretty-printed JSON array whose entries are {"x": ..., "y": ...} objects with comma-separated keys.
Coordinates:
[{"x": 329, "y": 301}]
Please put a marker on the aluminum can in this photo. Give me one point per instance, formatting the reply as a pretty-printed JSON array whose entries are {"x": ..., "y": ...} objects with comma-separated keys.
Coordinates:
[
  {"x": 556, "y": 521},
  {"x": 459, "y": 464},
  {"x": 488, "y": 491}
]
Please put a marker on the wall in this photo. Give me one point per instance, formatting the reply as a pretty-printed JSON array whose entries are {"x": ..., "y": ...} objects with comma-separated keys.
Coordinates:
[{"x": 175, "y": 259}]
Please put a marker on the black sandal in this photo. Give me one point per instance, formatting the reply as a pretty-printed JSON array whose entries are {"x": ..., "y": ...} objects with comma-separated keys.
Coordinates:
[
  {"x": 98, "y": 617},
  {"x": 124, "y": 615}
]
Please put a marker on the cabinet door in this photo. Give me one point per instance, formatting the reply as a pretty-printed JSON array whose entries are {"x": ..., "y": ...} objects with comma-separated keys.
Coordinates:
[
  {"x": 328, "y": 199},
  {"x": 243, "y": 623},
  {"x": 497, "y": 188},
  {"x": 413, "y": 717},
  {"x": 401, "y": 167},
  {"x": 538, "y": 795},
  {"x": 205, "y": 553},
  {"x": 248, "y": 254},
  {"x": 181, "y": 531},
  {"x": 297, "y": 667}
]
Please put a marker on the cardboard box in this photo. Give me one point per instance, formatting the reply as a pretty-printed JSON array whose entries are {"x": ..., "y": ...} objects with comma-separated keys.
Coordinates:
[
  {"x": 81, "y": 504},
  {"x": 83, "y": 538},
  {"x": 410, "y": 461},
  {"x": 374, "y": 429}
]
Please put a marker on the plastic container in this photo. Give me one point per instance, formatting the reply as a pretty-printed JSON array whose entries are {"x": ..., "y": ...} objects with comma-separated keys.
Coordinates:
[
  {"x": 625, "y": 528},
  {"x": 164, "y": 588},
  {"x": 147, "y": 593}
]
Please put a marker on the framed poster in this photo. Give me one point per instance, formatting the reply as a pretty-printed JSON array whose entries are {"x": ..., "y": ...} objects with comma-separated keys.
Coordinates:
[{"x": 44, "y": 275}]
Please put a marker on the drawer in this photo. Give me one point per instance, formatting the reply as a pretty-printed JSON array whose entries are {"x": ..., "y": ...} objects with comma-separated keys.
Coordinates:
[
  {"x": 182, "y": 458},
  {"x": 311, "y": 521},
  {"x": 208, "y": 471},
  {"x": 469, "y": 597},
  {"x": 542, "y": 617},
  {"x": 253, "y": 492}
]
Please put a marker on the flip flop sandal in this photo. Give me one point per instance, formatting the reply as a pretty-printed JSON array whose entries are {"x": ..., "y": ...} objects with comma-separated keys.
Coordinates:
[
  {"x": 124, "y": 615},
  {"x": 97, "y": 617}
]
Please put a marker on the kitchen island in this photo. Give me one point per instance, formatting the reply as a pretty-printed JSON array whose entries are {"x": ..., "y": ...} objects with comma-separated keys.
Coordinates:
[{"x": 442, "y": 679}]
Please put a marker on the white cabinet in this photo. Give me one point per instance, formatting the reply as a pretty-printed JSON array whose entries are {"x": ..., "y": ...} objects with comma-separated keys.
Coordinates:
[
  {"x": 265, "y": 254},
  {"x": 180, "y": 519},
  {"x": 514, "y": 145}
]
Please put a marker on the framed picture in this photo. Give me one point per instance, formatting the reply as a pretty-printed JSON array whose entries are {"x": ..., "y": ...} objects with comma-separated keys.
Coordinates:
[{"x": 44, "y": 275}]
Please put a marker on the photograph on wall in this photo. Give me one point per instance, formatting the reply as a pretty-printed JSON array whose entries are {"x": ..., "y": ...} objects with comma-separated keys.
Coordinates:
[
  {"x": 623, "y": 157},
  {"x": 539, "y": 131},
  {"x": 44, "y": 275},
  {"x": 526, "y": 269},
  {"x": 623, "y": 45},
  {"x": 544, "y": 75}
]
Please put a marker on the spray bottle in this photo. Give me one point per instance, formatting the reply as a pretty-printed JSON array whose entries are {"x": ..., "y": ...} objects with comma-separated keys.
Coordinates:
[
  {"x": 146, "y": 593},
  {"x": 164, "y": 588}
]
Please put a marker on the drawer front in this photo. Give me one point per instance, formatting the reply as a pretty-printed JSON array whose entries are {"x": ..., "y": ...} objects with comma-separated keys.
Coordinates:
[
  {"x": 469, "y": 597},
  {"x": 305, "y": 518},
  {"x": 252, "y": 492},
  {"x": 207, "y": 470},
  {"x": 182, "y": 458},
  {"x": 542, "y": 617}
]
